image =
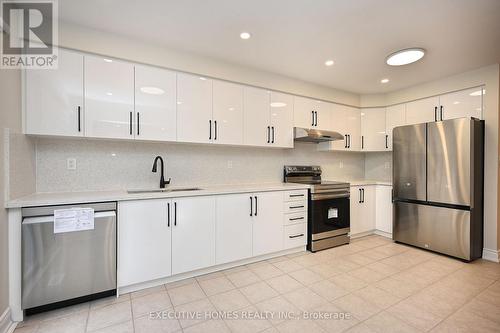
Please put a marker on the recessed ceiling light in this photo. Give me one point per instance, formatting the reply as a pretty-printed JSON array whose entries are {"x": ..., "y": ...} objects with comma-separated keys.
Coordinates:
[
  {"x": 384, "y": 80},
  {"x": 478, "y": 93},
  {"x": 109, "y": 94},
  {"x": 405, "y": 57},
  {"x": 329, "y": 63},
  {"x": 245, "y": 35},
  {"x": 152, "y": 90},
  {"x": 277, "y": 104},
  {"x": 203, "y": 78}
]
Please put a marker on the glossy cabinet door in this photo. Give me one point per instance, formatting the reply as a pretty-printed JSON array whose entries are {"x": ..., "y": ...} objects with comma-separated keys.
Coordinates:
[
  {"x": 54, "y": 98},
  {"x": 394, "y": 116},
  {"x": 194, "y": 109},
  {"x": 354, "y": 129},
  {"x": 464, "y": 103},
  {"x": 383, "y": 210},
  {"x": 422, "y": 111},
  {"x": 193, "y": 233},
  {"x": 109, "y": 98},
  {"x": 323, "y": 115},
  {"x": 144, "y": 241},
  {"x": 362, "y": 209},
  {"x": 373, "y": 131},
  {"x": 155, "y": 104},
  {"x": 281, "y": 108},
  {"x": 227, "y": 113},
  {"x": 347, "y": 121},
  {"x": 268, "y": 223},
  {"x": 234, "y": 227},
  {"x": 257, "y": 128},
  {"x": 304, "y": 112}
]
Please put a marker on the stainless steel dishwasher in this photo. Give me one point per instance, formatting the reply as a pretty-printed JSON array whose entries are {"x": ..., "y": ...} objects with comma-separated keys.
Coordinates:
[{"x": 61, "y": 269}]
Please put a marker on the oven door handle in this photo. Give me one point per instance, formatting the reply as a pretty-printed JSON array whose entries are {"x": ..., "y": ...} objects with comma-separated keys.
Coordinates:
[{"x": 325, "y": 196}]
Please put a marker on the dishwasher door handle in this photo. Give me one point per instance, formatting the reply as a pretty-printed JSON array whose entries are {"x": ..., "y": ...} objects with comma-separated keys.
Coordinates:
[{"x": 50, "y": 218}]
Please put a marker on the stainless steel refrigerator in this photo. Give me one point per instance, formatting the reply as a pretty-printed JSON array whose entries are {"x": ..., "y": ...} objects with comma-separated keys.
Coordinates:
[{"x": 438, "y": 186}]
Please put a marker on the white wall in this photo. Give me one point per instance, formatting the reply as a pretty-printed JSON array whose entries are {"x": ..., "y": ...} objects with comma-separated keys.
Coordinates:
[{"x": 490, "y": 77}]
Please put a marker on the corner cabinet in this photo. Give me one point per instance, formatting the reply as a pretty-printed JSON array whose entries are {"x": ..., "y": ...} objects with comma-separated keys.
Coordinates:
[
  {"x": 373, "y": 129},
  {"x": 109, "y": 98},
  {"x": 54, "y": 102}
]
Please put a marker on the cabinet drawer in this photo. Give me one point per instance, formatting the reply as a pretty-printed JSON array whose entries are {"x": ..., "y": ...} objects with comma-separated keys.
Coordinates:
[
  {"x": 294, "y": 218},
  {"x": 295, "y": 206},
  {"x": 296, "y": 195},
  {"x": 295, "y": 235}
]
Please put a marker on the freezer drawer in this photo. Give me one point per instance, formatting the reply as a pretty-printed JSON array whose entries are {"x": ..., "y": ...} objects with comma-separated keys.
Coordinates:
[
  {"x": 439, "y": 229},
  {"x": 409, "y": 162},
  {"x": 65, "y": 266}
]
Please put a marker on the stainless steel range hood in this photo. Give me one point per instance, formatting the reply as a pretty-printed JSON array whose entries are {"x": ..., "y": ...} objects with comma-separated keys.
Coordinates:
[{"x": 315, "y": 135}]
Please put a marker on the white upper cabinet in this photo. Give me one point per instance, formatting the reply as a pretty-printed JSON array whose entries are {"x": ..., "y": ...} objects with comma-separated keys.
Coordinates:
[
  {"x": 422, "y": 111},
  {"x": 464, "y": 103},
  {"x": 194, "y": 109},
  {"x": 193, "y": 233},
  {"x": 54, "y": 98},
  {"x": 256, "y": 117},
  {"x": 310, "y": 113},
  {"x": 109, "y": 98},
  {"x": 144, "y": 241},
  {"x": 227, "y": 113},
  {"x": 373, "y": 130},
  {"x": 345, "y": 120},
  {"x": 234, "y": 227},
  {"x": 281, "y": 108},
  {"x": 155, "y": 96},
  {"x": 394, "y": 116}
]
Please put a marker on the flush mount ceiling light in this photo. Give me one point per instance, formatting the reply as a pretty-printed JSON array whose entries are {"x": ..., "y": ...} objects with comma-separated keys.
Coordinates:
[
  {"x": 405, "y": 57},
  {"x": 278, "y": 104},
  {"x": 478, "y": 93},
  {"x": 384, "y": 80},
  {"x": 245, "y": 35},
  {"x": 329, "y": 63},
  {"x": 152, "y": 90}
]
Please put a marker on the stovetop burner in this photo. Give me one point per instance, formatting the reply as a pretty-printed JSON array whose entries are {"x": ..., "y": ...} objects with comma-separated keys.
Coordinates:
[{"x": 310, "y": 175}]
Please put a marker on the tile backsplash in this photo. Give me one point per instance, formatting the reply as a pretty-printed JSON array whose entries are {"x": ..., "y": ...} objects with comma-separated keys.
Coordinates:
[
  {"x": 378, "y": 166},
  {"x": 112, "y": 165}
]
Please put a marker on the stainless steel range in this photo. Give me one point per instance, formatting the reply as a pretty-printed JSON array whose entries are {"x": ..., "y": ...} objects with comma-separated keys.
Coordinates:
[{"x": 329, "y": 215}]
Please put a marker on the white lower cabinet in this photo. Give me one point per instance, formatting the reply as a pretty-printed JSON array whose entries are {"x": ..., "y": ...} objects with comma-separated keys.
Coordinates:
[
  {"x": 371, "y": 209},
  {"x": 234, "y": 227},
  {"x": 268, "y": 223},
  {"x": 193, "y": 233},
  {"x": 144, "y": 241},
  {"x": 383, "y": 213}
]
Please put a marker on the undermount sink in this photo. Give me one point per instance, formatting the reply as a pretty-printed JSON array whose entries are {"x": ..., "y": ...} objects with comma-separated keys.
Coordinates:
[{"x": 164, "y": 190}]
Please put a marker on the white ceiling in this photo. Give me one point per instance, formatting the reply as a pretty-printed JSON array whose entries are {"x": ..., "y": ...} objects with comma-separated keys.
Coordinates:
[{"x": 295, "y": 37}]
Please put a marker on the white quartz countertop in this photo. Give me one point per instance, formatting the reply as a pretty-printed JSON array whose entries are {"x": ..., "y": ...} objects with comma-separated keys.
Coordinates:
[{"x": 64, "y": 198}]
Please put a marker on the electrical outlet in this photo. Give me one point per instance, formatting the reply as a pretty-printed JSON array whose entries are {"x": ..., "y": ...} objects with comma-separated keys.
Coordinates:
[
  {"x": 229, "y": 164},
  {"x": 71, "y": 164},
  {"x": 341, "y": 165}
]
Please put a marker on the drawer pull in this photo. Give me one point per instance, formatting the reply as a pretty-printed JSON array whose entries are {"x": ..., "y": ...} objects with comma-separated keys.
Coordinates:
[
  {"x": 296, "y": 195},
  {"x": 296, "y": 236},
  {"x": 295, "y": 207},
  {"x": 296, "y": 218}
]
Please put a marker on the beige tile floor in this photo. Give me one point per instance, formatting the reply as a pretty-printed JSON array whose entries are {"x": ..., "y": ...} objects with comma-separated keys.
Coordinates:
[{"x": 383, "y": 286}]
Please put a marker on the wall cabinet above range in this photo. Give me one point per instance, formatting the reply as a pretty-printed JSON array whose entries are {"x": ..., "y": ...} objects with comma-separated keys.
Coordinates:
[{"x": 310, "y": 113}]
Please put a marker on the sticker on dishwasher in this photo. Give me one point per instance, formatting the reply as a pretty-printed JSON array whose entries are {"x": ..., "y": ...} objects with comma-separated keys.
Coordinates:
[
  {"x": 74, "y": 219},
  {"x": 333, "y": 213}
]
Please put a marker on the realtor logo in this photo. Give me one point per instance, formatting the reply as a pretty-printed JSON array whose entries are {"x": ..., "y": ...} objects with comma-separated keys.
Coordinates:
[{"x": 29, "y": 31}]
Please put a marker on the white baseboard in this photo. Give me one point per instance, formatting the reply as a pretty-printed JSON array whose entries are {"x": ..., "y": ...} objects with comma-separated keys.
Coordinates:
[
  {"x": 491, "y": 255},
  {"x": 6, "y": 323},
  {"x": 383, "y": 233}
]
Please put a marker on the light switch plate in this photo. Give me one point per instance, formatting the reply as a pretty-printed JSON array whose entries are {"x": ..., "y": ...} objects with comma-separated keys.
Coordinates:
[{"x": 71, "y": 164}]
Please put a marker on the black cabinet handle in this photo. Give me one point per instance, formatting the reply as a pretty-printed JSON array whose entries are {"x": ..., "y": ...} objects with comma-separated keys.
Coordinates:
[
  {"x": 296, "y": 236},
  {"x": 441, "y": 113},
  {"x": 268, "y": 134},
  {"x": 345, "y": 138},
  {"x": 79, "y": 118},
  {"x": 168, "y": 214},
  {"x": 386, "y": 141},
  {"x": 359, "y": 201},
  {"x": 131, "y": 133},
  {"x": 272, "y": 128},
  {"x": 296, "y": 218},
  {"x": 348, "y": 140},
  {"x": 363, "y": 192},
  {"x": 251, "y": 206},
  {"x": 296, "y": 195},
  {"x": 256, "y": 209},
  {"x": 295, "y": 207},
  {"x": 316, "y": 122},
  {"x": 312, "y": 114},
  {"x": 362, "y": 142},
  {"x": 175, "y": 213},
  {"x": 210, "y": 127},
  {"x": 215, "y": 127},
  {"x": 138, "y": 123},
  {"x": 435, "y": 113}
]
